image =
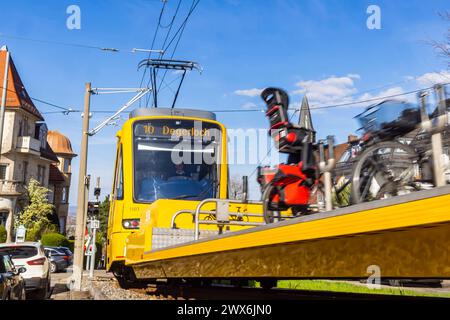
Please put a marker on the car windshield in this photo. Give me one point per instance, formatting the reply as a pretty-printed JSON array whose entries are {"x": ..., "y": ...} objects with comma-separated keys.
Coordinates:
[
  {"x": 56, "y": 252},
  {"x": 19, "y": 252},
  {"x": 175, "y": 159}
]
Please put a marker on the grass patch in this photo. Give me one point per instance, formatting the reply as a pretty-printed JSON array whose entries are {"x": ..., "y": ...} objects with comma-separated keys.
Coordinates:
[{"x": 337, "y": 286}]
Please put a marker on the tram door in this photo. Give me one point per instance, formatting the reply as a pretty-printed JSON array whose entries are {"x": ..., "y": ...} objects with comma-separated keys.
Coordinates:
[{"x": 116, "y": 196}]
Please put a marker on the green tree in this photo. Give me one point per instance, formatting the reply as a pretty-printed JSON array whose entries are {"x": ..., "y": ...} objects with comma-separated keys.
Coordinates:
[
  {"x": 103, "y": 217},
  {"x": 343, "y": 198},
  {"x": 36, "y": 211},
  {"x": 2, "y": 234}
]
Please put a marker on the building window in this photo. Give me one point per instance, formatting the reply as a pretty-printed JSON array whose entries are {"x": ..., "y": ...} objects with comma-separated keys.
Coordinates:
[
  {"x": 345, "y": 157},
  {"x": 41, "y": 134},
  {"x": 25, "y": 128},
  {"x": 3, "y": 168},
  {"x": 64, "y": 195},
  {"x": 20, "y": 128},
  {"x": 43, "y": 138},
  {"x": 3, "y": 217},
  {"x": 41, "y": 175},
  {"x": 25, "y": 172},
  {"x": 66, "y": 168},
  {"x": 51, "y": 194}
]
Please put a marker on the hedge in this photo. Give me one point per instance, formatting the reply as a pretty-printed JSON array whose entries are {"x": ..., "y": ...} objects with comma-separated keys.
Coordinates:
[
  {"x": 54, "y": 240},
  {"x": 2, "y": 234},
  {"x": 36, "y": 233}
]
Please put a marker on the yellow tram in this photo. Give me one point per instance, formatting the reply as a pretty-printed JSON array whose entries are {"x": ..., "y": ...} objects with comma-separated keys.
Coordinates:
[{"x": 168, "y": 162}]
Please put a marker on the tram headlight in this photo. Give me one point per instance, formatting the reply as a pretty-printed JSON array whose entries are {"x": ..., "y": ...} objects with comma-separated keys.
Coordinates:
[{"x": 130, "y": 223}]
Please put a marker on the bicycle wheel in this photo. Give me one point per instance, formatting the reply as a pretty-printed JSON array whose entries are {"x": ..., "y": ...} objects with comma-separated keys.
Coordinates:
[
  {"x": 270, "y": 216},
  {"x": 384, "y": 170}
]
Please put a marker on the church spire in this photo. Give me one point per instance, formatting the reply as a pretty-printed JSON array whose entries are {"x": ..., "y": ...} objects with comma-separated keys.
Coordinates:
[{"x": 305, "y": 120}]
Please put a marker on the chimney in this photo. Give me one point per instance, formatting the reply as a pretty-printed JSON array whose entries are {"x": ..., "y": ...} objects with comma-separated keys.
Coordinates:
[{"x": 352, "y": 138}]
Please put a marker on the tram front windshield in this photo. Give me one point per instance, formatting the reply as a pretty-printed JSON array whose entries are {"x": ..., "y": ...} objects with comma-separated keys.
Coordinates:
[{"x": 175, "y": 159}]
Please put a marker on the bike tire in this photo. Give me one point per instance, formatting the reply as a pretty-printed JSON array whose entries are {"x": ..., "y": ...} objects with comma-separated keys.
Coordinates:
[
  {"x": 356, "y": 172},
  {"x": 269, "y": 216}
]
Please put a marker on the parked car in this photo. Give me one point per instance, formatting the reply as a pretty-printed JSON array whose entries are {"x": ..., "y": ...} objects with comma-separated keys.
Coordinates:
[
  {"x": 59, "y": 260},
  {"x": 67, "y": 251},
  {"x": 12, "y": 285},
  {"x": 31, "y": 256}
]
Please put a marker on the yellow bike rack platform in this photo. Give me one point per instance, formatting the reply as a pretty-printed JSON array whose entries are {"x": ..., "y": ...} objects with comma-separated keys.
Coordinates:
[{"x": 405, "y": 237}]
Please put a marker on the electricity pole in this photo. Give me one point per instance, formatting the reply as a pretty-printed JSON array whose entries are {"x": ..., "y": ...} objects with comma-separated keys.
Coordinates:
[
  {"x": 83, "y": 178},
  {"x": 81, "y": 202}
]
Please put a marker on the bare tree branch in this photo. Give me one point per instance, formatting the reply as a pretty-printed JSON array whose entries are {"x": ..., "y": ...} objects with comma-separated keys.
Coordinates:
[{"x": 443, "y": 47}]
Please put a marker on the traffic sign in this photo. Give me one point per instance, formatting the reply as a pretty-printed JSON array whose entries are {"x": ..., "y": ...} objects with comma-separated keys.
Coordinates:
[
  {"x": 20, "y": 233},
  {"x": 94, "y": 224},
  {"x": 89, "y": 251}
]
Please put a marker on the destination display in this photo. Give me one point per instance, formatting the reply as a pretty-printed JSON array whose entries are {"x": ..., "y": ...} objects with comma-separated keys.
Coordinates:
[{"x": 176, "y": 128}]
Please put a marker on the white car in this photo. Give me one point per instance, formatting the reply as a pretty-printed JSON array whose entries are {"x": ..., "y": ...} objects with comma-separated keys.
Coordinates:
[{"x": 31, "y": 255}]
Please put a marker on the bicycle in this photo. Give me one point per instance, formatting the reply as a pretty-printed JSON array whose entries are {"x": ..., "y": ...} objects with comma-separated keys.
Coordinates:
[
  {"x": 287, "y": 188},
  {"x": 394, "y": 159}
]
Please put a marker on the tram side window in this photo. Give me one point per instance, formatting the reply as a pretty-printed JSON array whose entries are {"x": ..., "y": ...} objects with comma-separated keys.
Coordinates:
[{"x": 119, "y": 177}]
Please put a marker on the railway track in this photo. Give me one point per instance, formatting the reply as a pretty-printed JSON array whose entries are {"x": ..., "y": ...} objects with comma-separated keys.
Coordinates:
[
  {"x": 228, "y": 292},
  {"x": 108, "y": 287}
]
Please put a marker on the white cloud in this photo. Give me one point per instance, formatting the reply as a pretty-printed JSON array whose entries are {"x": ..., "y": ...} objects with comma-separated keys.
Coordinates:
[
  {"x": 354, "y": 76},
  {"x": 431, "y": 78},
  {"x": 330, "y": 90},
  {"x": 249, "y": 105},
  {"x": 249, "y": 92},
  {"x": 342, "y": 90},
  {"x": 382, "y": 94}
]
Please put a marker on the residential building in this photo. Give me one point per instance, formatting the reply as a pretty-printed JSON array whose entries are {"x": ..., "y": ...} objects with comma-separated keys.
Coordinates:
[
  {"x": 25, "y": 153},
  {"x": 60, "y": 175}
]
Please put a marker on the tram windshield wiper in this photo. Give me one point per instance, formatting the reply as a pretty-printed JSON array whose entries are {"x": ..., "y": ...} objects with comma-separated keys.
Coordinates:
[{"x": 185, "y": 196}]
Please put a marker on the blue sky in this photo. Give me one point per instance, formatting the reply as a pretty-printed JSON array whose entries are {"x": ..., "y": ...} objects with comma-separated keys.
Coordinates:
[{"x": 323, "y": 48}]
